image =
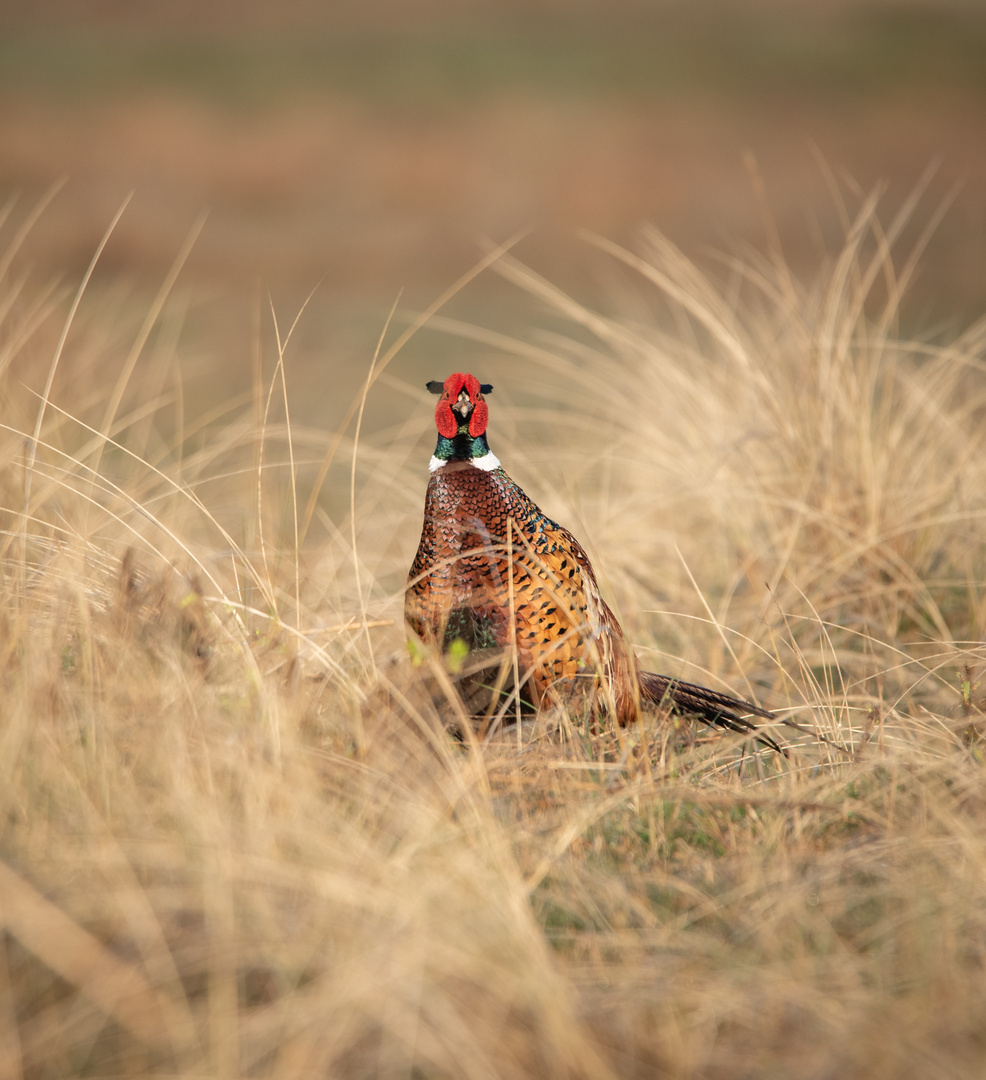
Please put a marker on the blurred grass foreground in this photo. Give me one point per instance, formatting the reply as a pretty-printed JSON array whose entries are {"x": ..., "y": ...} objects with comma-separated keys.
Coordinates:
[{"x": 236, "y": 840}]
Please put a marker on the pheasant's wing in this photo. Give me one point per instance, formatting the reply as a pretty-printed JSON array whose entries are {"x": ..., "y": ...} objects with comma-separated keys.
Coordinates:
[{"x": 568, "y": 630}]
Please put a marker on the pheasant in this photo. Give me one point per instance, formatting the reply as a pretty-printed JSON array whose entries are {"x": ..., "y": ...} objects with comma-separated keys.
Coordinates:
[{"x": 493, "y": 571}]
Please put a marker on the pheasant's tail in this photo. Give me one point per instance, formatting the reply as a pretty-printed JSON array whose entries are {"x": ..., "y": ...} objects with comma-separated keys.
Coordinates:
[{"x": 719, "y": 709}]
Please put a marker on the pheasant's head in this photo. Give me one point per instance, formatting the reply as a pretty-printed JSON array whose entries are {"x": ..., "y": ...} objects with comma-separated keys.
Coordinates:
[{"x": 461, "y": 417}]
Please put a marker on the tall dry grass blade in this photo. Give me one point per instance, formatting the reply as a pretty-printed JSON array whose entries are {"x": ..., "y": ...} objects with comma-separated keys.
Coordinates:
[
  {"x": 70, "y": 318},
  {"x": 361, "y": 599},
  {"x": 280, "y": 374},
  {"x": 117, "y": 988},
  {"x": 775, "y": 247},
  {"x": 39, "y": 309},
  {"x": 150, "y": 320},
  {"x": 10, "y": 253},
  {"x": 11, "y": 1049}
]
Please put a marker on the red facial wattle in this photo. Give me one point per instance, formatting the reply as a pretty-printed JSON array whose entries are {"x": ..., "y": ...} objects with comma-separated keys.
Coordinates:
[{"x": 445, "y": 419}]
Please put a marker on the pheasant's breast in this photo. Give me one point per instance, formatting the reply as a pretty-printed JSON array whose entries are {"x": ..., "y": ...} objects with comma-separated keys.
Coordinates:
[{"x": 491, "y": 559}]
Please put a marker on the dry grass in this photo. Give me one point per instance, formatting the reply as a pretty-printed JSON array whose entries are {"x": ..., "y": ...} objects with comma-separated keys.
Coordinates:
[{"x": 236, "y": 841}]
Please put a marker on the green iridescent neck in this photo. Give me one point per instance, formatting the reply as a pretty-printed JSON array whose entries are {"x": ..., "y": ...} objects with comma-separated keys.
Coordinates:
[{"x": 464, "y": 447}]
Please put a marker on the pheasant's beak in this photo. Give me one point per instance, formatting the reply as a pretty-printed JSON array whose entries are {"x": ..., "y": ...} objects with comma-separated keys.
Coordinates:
[{"x": 463, "y": 405}]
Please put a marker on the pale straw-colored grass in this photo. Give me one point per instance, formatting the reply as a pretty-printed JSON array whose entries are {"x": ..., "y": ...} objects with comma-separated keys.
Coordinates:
[{"x": 234, "y": 838}]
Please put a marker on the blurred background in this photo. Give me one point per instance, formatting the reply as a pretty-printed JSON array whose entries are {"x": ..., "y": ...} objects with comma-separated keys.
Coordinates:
[{"x": 369, "y": 149}]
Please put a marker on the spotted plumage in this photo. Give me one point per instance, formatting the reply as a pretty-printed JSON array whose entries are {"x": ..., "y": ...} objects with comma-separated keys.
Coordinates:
[{"x": 493, "y": 571}]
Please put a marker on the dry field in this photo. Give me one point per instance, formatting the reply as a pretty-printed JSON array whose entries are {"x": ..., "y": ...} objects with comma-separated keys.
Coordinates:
[{"x": 236, "y": 840}]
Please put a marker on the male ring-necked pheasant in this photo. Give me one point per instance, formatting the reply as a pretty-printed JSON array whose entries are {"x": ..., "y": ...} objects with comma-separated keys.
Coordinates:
[{"x": 495, "y": 572}]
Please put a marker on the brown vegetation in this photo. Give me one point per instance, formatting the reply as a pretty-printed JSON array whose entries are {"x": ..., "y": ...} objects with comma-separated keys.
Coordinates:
[{"x": 235, "y": 840}]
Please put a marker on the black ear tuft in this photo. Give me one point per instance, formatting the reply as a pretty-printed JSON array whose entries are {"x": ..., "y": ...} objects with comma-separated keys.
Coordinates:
[
  {"x": 435, "y": 386},
  {"x": 485, "y": 388}
]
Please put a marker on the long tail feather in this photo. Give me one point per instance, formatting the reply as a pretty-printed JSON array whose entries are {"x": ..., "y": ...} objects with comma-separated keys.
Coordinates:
[{"x": 719, "y": 709}]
